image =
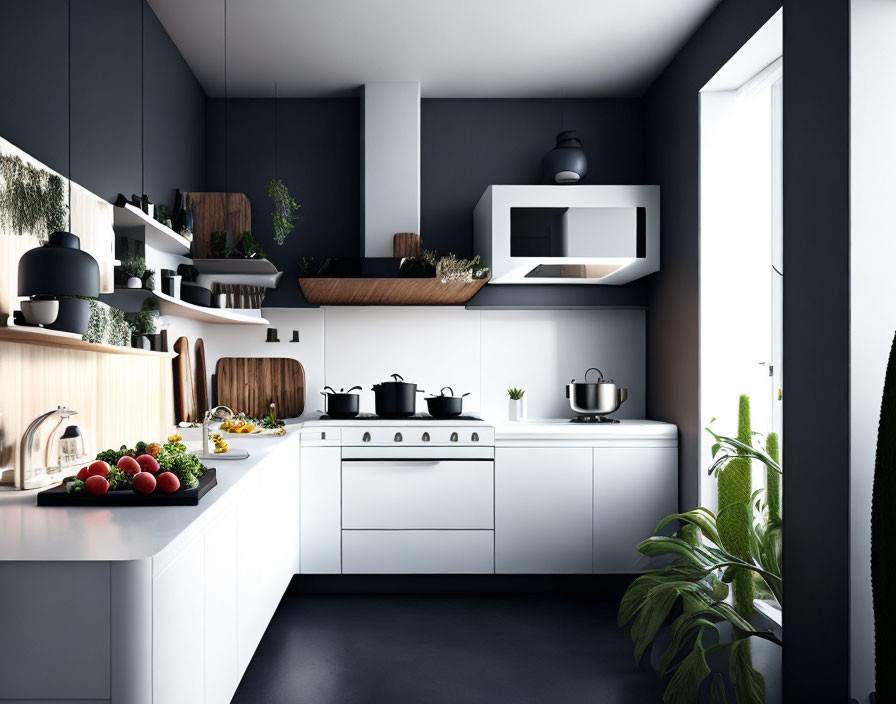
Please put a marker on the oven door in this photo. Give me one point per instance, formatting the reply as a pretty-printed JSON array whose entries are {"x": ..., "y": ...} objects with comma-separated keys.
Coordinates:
[{"x": 418, "y": 494}]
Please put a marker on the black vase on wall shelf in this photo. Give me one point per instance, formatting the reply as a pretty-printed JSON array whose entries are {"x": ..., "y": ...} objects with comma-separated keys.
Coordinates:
[
  {"x": 566, "y": 162},
  {"x": 61, "y": 270}
]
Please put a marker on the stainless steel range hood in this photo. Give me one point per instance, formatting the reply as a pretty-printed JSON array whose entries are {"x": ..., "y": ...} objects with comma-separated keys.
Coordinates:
[{"x": 568, "y": 234}]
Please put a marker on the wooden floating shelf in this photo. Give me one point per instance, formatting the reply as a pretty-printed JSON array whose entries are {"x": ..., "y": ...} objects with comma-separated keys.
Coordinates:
[
  {"x": 69, "y": 341},
  {"x": 389, "y": 292},
  {"x": 156, "y": 235}
]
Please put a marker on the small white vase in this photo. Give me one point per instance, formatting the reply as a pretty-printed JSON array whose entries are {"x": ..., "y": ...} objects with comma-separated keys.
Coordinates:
[
  {"x": 135, "y": 282},
  {"x": 516, "y": 409},
  {"x": 40, "y": 312}
]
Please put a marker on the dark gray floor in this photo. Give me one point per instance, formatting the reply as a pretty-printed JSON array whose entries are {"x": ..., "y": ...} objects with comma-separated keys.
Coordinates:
[{"x": 434, "y": 649}]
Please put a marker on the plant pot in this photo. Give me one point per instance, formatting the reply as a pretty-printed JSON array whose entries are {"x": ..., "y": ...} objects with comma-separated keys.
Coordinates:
[
  {"x": 40, "y": 312},
  {"x": 140, "y": 342},
  {"x": 135, "y": 282},
  {"x": 516, "y": 408},
  {"x": 74, "y": 314}
]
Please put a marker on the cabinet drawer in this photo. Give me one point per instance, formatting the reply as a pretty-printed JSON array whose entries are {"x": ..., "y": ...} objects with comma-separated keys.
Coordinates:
[
  {"x": 417, "y": 551},
  {"x": 410, "y": 495}
]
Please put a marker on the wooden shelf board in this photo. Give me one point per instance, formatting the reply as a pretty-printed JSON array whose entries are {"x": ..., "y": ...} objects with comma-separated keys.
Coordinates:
[
  {"x": 156, "y": 235},
  {"x": 393, "y": 291},
  {"x": 68, "y": 340}
]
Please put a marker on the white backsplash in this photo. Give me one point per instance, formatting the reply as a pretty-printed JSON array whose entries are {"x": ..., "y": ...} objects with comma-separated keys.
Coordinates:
[{"x": 481, "y": 352}]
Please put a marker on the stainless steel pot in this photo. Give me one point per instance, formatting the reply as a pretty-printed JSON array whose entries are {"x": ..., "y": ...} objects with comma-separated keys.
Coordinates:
[{"x": 595, "y": 398}]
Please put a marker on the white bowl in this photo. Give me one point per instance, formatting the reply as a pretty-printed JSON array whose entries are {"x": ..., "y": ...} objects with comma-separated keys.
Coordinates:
[{"x": 40, "y": 312}]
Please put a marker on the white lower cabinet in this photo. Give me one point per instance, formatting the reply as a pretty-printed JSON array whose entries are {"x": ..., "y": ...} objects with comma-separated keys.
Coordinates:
[
  {"x": 543, "y": 510},
  {"x": 178, "y": 628},
  {"x": 633, "y": 489},
  {"x": 321, "y": 511},
  {"x": 221, "y": 598},
  {"x": 417, "y": 551}
]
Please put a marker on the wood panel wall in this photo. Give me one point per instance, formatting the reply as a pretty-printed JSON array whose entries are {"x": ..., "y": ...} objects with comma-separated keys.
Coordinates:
[{"x": 120, "y": 399}]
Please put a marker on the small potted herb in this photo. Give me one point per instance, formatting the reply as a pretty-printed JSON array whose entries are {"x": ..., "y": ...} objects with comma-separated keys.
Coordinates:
[
  {"x": 517, "y": 405},
  {"x": 134, "y": 268},
  {"x": 144, "y": 326}
]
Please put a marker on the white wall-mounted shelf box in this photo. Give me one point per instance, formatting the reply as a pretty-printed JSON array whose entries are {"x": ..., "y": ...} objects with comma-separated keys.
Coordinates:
[{"x": 606, "y": 235}]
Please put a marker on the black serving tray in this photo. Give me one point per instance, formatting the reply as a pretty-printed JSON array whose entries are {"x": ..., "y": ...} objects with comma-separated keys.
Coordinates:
[{"x": 57, "y": 496}]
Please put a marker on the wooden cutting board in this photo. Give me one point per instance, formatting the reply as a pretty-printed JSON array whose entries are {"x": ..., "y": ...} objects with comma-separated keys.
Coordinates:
[
  {"x": 218, "y": 211},
  {"x": 250, "y": 384},
  {"x": 200, "y": 380},
  {"x": 184, "y": 392}
]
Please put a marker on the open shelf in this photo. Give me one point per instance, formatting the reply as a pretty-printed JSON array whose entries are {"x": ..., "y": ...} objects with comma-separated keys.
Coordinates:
[
  {"x": 69, "y": 341},
  {"x": 156, "y": 235},
  {"x": 388, "y": 292},
  {"x": 174, "y": 306}
]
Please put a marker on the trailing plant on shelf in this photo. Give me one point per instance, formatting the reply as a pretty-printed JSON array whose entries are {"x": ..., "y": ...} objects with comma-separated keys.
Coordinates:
[
  {"x": 32, "y": 200},
  {"x": 285, "y": 209},
  {"x": 107, "y": 325},
  {"x": 689, "y": 596}
]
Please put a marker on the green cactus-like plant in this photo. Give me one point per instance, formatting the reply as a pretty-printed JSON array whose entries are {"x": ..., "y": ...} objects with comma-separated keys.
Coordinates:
[
  {"x": 734, "y": 517},
  {"x": 883, "y": 539},
  {"x": 773, "y": 479}
]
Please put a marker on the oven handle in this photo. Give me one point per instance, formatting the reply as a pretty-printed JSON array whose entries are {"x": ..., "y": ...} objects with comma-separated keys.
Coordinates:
[{"x": 401, "y": 461}]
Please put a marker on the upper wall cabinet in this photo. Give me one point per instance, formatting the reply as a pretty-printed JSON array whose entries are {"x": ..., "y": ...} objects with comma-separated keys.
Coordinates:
[{"x": 568, "y": 234}]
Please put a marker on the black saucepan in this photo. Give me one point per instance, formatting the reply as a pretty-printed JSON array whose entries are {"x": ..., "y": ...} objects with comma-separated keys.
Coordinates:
[
  {"x": 396, "y": 398},
  {"x": 445, "y": 405},
  {"x": 341, "y": 404}
]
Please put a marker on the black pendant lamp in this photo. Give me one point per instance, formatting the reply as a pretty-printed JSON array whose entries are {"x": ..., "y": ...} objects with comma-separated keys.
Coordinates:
[
  {"x": 60, "y": 269},
  {"x": 566, "y": 162}
]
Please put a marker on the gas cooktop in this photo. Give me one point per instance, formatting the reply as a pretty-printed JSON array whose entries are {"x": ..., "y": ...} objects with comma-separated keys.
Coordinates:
[{"x": 372, "y": 417}]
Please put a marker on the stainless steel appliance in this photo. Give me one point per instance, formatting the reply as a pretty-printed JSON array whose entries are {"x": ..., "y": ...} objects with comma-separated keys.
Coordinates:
[
  {"x": 594, "y": 400},
  {"x": 51, "y": 449}
]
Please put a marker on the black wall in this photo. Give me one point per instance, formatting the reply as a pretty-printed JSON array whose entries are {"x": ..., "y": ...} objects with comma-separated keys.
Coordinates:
[
  {"x": 672, "y": 134},
  {"x": 816, "y": 349},
  {"x": 319, "y": 160},
  {"x": 106, "y": 96},
  {"x": 465, "y": 146}
]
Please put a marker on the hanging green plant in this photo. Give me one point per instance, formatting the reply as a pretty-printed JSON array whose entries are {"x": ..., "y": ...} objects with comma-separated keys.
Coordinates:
[
  {"x": 32, "y": 200},
  {"x": 285, "y": 209}
]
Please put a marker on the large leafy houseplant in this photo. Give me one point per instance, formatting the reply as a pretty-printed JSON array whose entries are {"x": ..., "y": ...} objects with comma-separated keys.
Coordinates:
[
  {"x": 285, "y": 209},
  {"x": 689, "y": 595}
]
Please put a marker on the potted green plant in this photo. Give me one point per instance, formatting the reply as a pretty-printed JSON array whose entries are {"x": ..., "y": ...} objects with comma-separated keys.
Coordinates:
[
  {"x": 134, "y": 267},
  {"x": 32, "y": 200},
  {"x": 713, "y": 559},
  {"x": 143, "y": 324},
  {"x": 517, "y": 404},
  {"x": 285, "y": 210}
]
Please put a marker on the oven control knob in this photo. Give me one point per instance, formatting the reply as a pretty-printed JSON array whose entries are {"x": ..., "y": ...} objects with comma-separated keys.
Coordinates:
[
  {"x": 474, "y": 437},
  {"x": 425, "y": 437},
  {"x": 453, "y": 437},
  {"x": 398, "y": 437},
  {"x": 366, "y": 437}
]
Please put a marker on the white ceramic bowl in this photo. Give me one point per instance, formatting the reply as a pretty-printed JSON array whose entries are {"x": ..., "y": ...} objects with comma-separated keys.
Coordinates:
[{"x": 40, "y": 312}]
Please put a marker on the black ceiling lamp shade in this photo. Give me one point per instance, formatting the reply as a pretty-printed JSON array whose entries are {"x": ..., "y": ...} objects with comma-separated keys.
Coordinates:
[{"x": 59, "y": 268}]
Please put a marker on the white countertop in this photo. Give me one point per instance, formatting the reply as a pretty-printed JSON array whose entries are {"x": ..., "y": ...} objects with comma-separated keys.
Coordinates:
[
  {"x": 562, "y": 429},
  {"x": 32, "y": 532}
]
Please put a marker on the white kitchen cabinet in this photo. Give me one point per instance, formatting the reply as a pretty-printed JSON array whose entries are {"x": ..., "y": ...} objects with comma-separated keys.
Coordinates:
[
  {"x": 178, "y": 628},
  {"x": 634, "y": 487},
  {"x": 543, "y": 513},
  {"x": 320, "y": 513},
  {"x": 417, "y": 551},
  {"x": 221, "y": 597},
  {"x": 417, "y": 494}
]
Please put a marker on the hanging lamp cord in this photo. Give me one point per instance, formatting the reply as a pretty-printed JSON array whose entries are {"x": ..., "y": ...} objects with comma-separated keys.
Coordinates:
[
  {"x": 69, "y": 115},
  {"x": 142, "y": 116},
  {"x": 275, "y": 130}
]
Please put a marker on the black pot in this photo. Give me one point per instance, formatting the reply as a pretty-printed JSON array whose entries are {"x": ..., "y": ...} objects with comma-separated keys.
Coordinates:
[
  {"x": 443, "y": 406},
  {"x": 341, "y": 404},
  {"x": 74, "y": 315},
  {"x": 395, "y": 399}
]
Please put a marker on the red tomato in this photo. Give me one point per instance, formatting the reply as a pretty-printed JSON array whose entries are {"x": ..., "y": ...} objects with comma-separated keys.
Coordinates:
[
  {"x": 128, "y": 465},
  {"x": 82, "y": 474},
  {"x": 95, "y": 484},
  {"x": 147, "y": 463},
  {"x": 144, "y": 483},
  {"x": 168, "y": 482},
  {"x": 99, "y": 468}
]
